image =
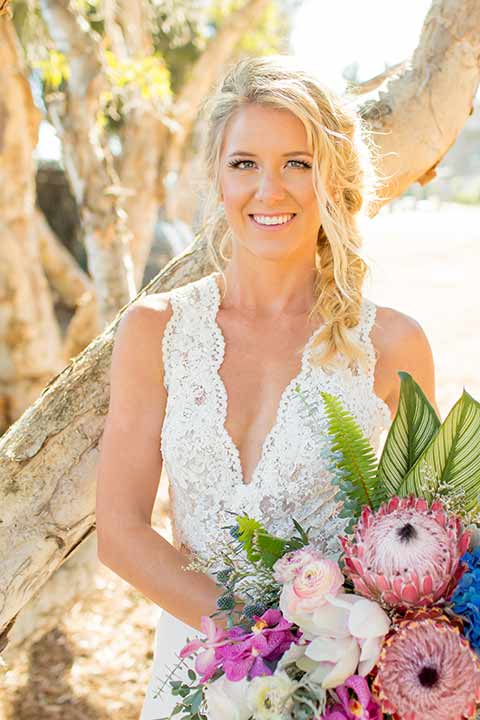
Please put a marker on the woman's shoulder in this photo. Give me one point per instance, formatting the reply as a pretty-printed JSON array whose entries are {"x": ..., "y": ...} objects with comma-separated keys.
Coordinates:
[
  {"x": 150, "y": 314},
  {"x": 395, "y": 331},
  {"x": 401, "y": 343}
]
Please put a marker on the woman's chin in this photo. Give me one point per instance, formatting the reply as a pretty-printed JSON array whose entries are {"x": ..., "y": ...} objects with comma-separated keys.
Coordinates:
[{"x": 270, "y": 248}]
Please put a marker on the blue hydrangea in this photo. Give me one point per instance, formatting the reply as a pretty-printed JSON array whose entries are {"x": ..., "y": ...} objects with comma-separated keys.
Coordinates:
[{"x": 466, "y": 598}]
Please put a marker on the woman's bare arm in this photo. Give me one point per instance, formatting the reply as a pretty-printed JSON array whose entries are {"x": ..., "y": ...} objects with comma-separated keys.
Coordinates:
[{"x": 129, "y": 470}]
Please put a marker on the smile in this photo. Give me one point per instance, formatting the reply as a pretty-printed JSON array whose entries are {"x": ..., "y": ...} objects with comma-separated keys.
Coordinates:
[{"x": 272, "y": 222}]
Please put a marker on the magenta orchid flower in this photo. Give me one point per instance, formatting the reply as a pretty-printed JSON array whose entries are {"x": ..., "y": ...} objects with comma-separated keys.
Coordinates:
[
  {"x": 248, "y": 652},
  {"x": 206, "y": 662},
  {"x": 360, "y": 707}
]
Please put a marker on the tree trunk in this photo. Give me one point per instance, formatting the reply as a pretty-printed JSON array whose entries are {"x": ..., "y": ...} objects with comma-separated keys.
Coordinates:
[
  {"x": 88, "y": 163},
  {"x": 68, "y": 584},
  {"x": 63, "y": 273},
  {"x": 29, "y": 338},
  {"x": 48, "y": 457}
]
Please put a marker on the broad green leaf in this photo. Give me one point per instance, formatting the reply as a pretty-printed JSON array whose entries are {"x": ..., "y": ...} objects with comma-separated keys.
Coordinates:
[
  {"x": 414, "y": 426},
  {"x": 453, "y": 456},
  {"x": 270, "y": 548},
  {"x": 358, "y": 462}
]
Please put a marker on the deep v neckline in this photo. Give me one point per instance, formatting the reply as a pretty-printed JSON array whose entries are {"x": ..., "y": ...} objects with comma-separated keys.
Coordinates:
[{"x": 269, "y": 437}]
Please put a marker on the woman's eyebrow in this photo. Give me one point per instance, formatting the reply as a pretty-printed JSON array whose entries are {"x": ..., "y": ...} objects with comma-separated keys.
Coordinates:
[{"x": 294, "y": 152}]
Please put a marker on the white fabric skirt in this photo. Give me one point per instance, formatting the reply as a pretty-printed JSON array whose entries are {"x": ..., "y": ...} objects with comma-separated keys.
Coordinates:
[{"x": 171, "y": 635}]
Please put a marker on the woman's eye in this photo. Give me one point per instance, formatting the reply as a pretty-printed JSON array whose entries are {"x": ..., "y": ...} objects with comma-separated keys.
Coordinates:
[
  {"x": 241, "y": 163},
  {"x": 302, "y": 163},
  {"x": 237, "y": 163}
]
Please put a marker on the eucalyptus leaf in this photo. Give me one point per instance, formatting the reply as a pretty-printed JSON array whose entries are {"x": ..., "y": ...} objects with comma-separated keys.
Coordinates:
[
  {"x": 196, "y": 701},
  {"x": 412, "y": 429}
]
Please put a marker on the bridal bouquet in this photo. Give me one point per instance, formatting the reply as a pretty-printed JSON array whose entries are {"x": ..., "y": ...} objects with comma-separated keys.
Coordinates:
[{"x": 392, "y": 630}]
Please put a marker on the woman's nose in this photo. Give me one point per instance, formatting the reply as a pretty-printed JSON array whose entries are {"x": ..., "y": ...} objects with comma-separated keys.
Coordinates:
[{"x": 270, "y": 188}]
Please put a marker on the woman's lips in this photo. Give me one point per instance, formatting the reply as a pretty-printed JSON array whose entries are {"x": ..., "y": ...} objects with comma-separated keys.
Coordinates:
[{"x": 273, "y": 227}]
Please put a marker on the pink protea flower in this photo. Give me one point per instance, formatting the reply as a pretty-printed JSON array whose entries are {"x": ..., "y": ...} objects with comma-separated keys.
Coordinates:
[
  {"x": 407, "y": 554},
  {"x": 427, "y": 669}
]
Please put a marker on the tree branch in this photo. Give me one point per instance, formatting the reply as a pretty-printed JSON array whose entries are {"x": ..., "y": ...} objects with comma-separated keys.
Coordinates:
[
  {"x": 362, "y": 88},
  {"x": 434, "y": 93},
  {"x": 62, "y": 271}
]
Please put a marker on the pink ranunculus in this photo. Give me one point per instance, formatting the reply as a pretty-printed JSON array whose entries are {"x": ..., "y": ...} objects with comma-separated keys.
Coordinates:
[
  {"x": 290, "y": 564},
  {"x": 311, "y": 587}
]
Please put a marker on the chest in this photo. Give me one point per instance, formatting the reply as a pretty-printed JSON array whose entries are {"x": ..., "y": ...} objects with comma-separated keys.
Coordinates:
[
  {"x": 260, "y": 362},
  {"x": 232, "y": 409}
]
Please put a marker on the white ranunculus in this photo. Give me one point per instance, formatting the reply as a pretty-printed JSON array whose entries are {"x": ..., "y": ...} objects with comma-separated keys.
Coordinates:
[
  {"x": 226, "y": 699},
  {"x": 269, "y": 696}
]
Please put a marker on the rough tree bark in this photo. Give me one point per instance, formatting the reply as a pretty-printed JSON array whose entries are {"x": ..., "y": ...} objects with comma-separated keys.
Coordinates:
[{"x": 48, "y": 457}]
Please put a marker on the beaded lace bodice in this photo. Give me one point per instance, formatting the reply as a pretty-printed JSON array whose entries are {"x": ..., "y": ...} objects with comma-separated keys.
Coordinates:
[{"x": 292, "y": 477}]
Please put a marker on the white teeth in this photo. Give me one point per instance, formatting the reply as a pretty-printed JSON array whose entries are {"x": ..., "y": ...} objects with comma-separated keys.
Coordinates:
[{"x": 278, "y": 220}]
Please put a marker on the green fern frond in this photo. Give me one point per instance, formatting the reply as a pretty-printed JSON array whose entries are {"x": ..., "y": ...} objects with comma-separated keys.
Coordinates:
[{"x": 356, "y": 459}]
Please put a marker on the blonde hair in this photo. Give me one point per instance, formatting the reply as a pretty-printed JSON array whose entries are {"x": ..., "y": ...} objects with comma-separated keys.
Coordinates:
[{"x": 342, "y": 154}]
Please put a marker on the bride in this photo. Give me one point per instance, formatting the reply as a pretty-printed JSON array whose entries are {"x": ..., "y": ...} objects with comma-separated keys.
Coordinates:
[{"x": 204, "y": 378}]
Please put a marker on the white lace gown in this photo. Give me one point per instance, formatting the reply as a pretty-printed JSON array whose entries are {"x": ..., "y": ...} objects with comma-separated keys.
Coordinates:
[{"x": 203, "y": 466}]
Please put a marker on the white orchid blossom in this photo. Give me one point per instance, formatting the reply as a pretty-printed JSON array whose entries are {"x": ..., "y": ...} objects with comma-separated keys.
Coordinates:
[{"x": 346, "y": 637}]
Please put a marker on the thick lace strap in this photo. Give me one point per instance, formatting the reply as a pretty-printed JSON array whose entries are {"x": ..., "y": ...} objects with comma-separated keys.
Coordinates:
[
  {"x": 192, "y": 306},
  {"x": 367, "y": 322}
]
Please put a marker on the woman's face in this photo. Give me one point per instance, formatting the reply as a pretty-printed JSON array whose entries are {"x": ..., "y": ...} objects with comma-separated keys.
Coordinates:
[{"x": 266, "y": 177}]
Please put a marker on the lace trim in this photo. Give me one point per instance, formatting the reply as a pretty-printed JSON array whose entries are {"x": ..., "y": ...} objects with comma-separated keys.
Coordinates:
[
  {"x": 211, "y": 303},
  {"x": 221, "y": 398},
  {"x": 222, "y": 395},
  {"x": 369, "y": 314}
]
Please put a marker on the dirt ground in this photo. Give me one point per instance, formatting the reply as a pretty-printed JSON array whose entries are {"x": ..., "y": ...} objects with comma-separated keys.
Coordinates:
[{"x": 96, "y": 664}]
